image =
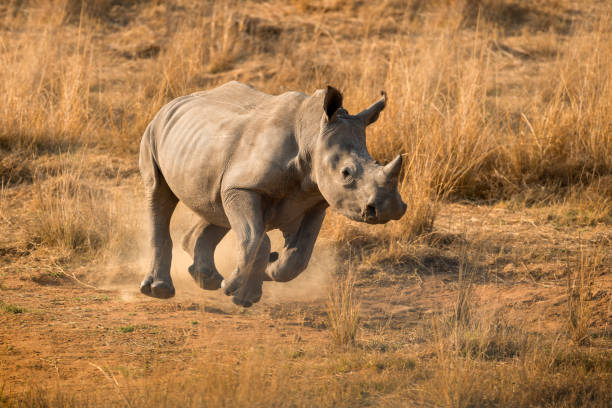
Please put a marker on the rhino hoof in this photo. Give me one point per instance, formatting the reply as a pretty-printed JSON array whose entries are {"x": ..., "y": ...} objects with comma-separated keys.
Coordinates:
[
  {"x": 207, "y": 281},
  {"x": 230, "y": 286},
  {"x": 145, "y": 285},
  {"x": 243, "y": 303},
  {"x": 160, "y": 289},
  {"x": 246, "y": 298},
  {"x": 247, "y": 295}
]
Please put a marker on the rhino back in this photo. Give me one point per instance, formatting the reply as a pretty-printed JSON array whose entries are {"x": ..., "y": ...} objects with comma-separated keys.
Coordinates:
[{"x": 229, "y": 137}]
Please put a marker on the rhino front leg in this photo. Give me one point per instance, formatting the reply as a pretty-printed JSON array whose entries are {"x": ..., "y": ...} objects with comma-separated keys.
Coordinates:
[
  {"x": 299, "y": 243},
  {"x": 200, "y": 242},
  {"x": 244, "y": 212}
]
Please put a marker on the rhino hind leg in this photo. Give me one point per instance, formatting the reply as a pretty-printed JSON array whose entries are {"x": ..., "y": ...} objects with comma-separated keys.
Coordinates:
[
  {"x": 161, "y": 203},
  {"x": 200, "y": 242}
]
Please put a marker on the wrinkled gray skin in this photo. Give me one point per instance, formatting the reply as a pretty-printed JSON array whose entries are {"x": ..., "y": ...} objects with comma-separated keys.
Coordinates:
[{"x": 253, "y": 162}]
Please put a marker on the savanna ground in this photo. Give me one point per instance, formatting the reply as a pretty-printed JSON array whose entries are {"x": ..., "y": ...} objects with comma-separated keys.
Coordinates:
[{"x": 494, "y": 290}]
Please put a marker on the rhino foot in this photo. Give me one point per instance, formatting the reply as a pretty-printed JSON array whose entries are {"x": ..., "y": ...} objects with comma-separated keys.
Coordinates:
[
  {"x": 245, "y": 294},
  {"x": 157, "y": 288},
  {"x": 145, "y": 285},
  {"x": 207, "y": 279},
  {"x": 246, "y": 297}
]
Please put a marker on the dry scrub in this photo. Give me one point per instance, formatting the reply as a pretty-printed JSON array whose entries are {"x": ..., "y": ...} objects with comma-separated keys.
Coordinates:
[{"x": 73, "y": 215}]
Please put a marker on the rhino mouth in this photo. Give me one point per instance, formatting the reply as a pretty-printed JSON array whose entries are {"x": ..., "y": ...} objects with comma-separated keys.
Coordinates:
[
  {"x": 375, "y": 220},
  {"x": 371, "y": 215},
  {"x": 351, "y": 214},
  {"x": 363, "y": 217}
]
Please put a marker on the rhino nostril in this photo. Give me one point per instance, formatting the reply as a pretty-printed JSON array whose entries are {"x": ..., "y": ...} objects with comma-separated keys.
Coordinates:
[{"x": 370, "y": 211}]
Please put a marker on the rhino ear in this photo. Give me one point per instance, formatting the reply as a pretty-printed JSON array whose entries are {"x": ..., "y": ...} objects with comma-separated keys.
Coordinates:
[
  {"x": 370, "y": 114},
  {"x": 332, "y": 102}
]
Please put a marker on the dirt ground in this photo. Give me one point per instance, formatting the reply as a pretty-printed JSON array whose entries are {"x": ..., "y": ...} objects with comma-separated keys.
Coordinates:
[{"x": 85, "y": 329}]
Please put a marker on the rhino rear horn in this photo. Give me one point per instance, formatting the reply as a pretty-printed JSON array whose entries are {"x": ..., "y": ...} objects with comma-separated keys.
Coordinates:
[
  {"x": 370, "y": 114},
  {"x": 332, "y": 102},
  {"x": 392, "y": 169}
]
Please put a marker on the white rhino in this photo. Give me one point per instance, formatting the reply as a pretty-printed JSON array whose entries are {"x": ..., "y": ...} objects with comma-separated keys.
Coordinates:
[{"x": 252, "y": 162}]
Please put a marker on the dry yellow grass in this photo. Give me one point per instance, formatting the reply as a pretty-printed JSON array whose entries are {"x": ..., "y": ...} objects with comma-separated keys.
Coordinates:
[
  {"x": 343, "y": 311},
  {"x": 503, "y": 102},
  {"x": 73, "y": 215}
]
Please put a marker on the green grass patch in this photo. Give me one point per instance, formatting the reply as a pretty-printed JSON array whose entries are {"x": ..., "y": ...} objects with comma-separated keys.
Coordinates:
[
  {"x": 14, "y": 309},
  {"x": 126, "y": 329}
]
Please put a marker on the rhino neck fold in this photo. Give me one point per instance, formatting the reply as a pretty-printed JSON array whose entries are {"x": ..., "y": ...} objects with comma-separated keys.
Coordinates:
[{"x": 307, "y": 129}]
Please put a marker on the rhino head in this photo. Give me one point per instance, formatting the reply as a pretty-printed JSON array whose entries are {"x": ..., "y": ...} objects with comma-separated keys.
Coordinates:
[{"x": 349, "y": 179}]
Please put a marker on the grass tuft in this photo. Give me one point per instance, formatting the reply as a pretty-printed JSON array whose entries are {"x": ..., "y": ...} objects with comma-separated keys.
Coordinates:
[
  {"x": 343, "y": 312},
  {"x": 580, "y": 281},
  {"x": 9, "y": 308},
  {"x": 126, "y": 329}
]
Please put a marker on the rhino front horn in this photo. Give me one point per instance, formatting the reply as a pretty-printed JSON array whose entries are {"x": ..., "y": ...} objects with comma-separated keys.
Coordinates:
[{"x": 393, "y": 168}]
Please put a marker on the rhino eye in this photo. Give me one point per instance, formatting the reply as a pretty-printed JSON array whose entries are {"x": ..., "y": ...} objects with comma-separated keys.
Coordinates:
[{"x": 347, "y": 175}]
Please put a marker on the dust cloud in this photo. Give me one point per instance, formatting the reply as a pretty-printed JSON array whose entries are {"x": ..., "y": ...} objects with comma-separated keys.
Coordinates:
[
  {"x": 311, "y": 285},
  {"x": 123, "y": 274}
]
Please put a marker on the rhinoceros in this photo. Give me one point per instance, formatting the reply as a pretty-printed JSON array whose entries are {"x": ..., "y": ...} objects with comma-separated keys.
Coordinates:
[{"x": 252, "y": 162}]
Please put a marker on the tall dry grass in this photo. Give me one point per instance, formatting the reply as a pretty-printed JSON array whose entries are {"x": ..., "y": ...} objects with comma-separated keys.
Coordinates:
[
  {"x": 440, "y": 63},
  {"x": 580, "y": 286},
  {"x": 73, "y": 215},
  {"x": 46, "y": 76},
  {"x": 343, "y": 309}
]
